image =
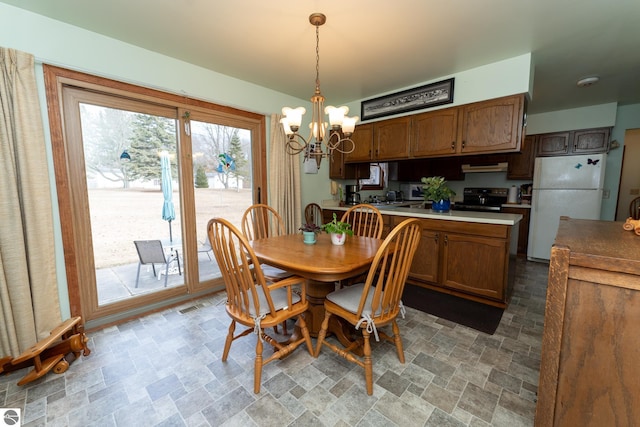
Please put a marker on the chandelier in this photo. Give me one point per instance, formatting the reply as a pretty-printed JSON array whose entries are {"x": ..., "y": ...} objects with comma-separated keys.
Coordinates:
[{"x": 342, "y": 127}]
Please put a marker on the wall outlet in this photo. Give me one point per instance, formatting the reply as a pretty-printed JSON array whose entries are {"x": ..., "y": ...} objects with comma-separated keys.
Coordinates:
[{"x": 606, "y": 194}]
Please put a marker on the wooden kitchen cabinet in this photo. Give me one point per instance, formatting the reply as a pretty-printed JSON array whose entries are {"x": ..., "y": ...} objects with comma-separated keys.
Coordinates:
[
  {"x": 465, "y": 259},
  {"x": 384, "y": 140},
  {"x": 363, "y": 140},
  {"x": 339, "y": 170},
  {"x": 590, "y": 344},
  {"x": 521, "y": 164},
  {"x": 523, "y": 227},
  {"x": 434, "y": 133},
  {"x": 391, "y": 139},
  {"x": 585, "y": 141},
  {"x": 591, "y": 141},
  {"x": 491, "y": 126}
]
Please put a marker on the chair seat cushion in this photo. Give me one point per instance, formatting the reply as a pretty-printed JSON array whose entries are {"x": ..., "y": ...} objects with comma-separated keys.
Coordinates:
[
  {"x": 279, "y": 298},
  {"x": 274, "y": 273},
  {"x": 349, "y": 298}
]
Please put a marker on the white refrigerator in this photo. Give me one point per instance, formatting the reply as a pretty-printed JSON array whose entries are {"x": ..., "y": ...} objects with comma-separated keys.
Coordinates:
[{"x": 563, "y": 186}]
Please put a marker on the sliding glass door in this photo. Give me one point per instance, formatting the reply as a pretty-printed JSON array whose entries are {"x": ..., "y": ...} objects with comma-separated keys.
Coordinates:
[{"x": 139, "y": 178}]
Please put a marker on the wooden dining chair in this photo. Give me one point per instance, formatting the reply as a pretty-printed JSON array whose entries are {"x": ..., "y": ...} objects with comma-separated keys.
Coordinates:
[
  {"x": 365, "y": 220},
  {"x": 252, "y": 302},
  {"x": 375, "y": 303},
  {"x": 634, "y": 208},
  {"x": 260, "y": 221},
  {"x": 313, "y": 214}
]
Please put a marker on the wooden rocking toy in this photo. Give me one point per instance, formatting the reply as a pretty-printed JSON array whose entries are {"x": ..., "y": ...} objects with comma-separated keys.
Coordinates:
[{"x": 57, "y": 352}]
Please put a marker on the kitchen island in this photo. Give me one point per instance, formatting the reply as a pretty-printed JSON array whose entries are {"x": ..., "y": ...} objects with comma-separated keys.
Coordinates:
[{"x": 467, "y": 254}]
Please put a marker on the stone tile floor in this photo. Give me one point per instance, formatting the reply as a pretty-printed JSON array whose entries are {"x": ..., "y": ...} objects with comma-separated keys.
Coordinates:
[{"x": 164, "y": 369}]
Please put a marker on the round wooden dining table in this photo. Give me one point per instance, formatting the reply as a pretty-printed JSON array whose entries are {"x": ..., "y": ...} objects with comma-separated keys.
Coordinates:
[{"x": 322, "y": 264}]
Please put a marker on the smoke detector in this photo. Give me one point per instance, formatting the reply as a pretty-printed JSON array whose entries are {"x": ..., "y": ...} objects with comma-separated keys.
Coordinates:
[{"x": 588, "y": 81}]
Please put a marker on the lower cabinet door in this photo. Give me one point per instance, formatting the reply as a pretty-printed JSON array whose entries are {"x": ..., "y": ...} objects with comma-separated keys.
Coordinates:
[
  {"x": 425, "y": 265},
  {"x": 476, "y": 265}
]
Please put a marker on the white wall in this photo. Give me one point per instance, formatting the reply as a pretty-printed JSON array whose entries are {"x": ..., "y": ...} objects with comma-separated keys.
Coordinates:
[{"x": 595, "y": 116}]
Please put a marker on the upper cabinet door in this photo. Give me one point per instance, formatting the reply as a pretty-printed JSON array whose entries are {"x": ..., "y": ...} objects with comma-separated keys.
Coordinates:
[
  {"x": 363, "y": 140},
  {"x": 492, "y": 126},
  {"x": 553, "y": 144},
  {"x": 591, "y": 141},
  {"x": 391, "y": 139},
  {"x": 434, "y": 133}
]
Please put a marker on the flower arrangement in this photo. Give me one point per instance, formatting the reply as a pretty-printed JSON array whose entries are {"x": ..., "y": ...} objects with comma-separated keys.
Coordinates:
[
  {"x": 311, "y": 228},
  {"x": 435, "y": 189},
  {"x": 338, "y": 227}
]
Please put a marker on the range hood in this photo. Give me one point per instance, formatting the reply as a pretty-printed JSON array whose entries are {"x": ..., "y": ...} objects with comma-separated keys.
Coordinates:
[{"x": 496, "y": 167}]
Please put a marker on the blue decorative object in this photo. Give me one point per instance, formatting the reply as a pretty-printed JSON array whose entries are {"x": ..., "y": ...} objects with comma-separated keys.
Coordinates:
[
  {"x": 579, "y": 165},
  {"x": 226, "y": 163},
  {"x": 441, "y": 206}
]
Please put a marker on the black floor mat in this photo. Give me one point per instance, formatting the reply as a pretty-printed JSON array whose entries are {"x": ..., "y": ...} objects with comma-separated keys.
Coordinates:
[{"x": 482, "y": 317}]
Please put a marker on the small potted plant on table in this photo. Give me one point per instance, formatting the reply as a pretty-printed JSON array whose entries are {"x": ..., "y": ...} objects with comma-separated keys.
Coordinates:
[
  {"x": 309, "y": 232},
  {"x": 435, "y": 189},
  {"x": 338, "y": 230}
]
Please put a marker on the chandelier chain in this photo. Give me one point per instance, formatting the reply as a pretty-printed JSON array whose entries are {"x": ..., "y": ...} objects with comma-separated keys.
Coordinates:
[{"x": 317, "y": 58}]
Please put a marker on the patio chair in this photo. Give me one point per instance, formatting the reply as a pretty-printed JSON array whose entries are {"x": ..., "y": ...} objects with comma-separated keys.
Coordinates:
[
  {"x": 152, "y": 252},
  {"x": 375, "y": 303},
  {"x": 206, "y": 248},
  {"x": 251, "y": 301}
]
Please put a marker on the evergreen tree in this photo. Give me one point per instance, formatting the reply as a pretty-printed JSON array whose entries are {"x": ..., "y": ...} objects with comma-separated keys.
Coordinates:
[
  {"x": 151, "y": 135},
  {"x": 237, "y": 154},
  {"x": 201, "y": 177}
]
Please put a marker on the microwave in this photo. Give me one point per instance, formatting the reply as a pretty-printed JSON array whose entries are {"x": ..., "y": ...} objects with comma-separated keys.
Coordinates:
[{"x": 412, "y": 191}]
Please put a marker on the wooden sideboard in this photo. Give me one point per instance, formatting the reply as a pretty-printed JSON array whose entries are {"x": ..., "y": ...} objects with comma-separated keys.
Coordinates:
[{"x": 589, "y": 373}]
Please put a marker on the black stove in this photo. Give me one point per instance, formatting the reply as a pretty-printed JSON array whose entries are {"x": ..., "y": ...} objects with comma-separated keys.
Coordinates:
[{"x": 482, "y": 199}]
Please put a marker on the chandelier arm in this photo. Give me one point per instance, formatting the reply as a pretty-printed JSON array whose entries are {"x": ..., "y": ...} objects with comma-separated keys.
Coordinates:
[
  {"x": 294, "y": 145},
  {"x": 343, "y": 145}
]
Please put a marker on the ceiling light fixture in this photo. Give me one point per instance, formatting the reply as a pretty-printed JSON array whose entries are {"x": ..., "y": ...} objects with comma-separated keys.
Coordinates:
[
  {"x": 340, "y": 123},
  {"x": 588, "y": 81}
]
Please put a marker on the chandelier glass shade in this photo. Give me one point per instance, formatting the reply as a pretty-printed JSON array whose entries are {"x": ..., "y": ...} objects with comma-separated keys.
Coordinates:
[{"x": 336, "y": 135}]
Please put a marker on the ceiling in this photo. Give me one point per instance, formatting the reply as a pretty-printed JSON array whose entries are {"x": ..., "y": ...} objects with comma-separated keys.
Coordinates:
[{"x": 369, "y": 47}]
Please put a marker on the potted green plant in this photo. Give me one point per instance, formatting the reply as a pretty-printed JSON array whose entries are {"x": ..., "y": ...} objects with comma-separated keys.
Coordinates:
[
  {"x": 309, "y": 232},
  {"x": 435, "y": 189},
  {"x": 338, "y": 230}
]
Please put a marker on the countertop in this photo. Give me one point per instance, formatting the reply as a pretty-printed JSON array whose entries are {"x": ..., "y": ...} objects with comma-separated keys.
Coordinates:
[
  {"x": 466, "y": 216},
  {"x": 516, "y": 205}
]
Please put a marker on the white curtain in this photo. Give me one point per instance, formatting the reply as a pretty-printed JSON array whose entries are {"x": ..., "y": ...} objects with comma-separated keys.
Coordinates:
[
  {"x": 284, "y": 178},
  {"x": 29, "y": 303}
]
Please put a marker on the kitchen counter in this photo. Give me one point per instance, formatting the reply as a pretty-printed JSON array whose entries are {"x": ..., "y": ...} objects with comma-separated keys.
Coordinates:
[
  {"x": 466, "y": 216},
  {"x": 484, "y": 243},
  {"x": 516, "y": 205}
]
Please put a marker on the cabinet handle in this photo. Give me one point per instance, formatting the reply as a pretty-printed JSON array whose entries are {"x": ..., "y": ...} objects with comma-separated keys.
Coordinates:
[
  {"x": 436, "y": 237},
  {"x": 463, "y": 144},
  {"x": 446, "y": 240},
  {"x": 453, "y": 146}
]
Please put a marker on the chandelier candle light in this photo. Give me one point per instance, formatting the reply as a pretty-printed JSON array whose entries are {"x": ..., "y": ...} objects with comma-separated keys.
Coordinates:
[{"x": 338, "y": 119}]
